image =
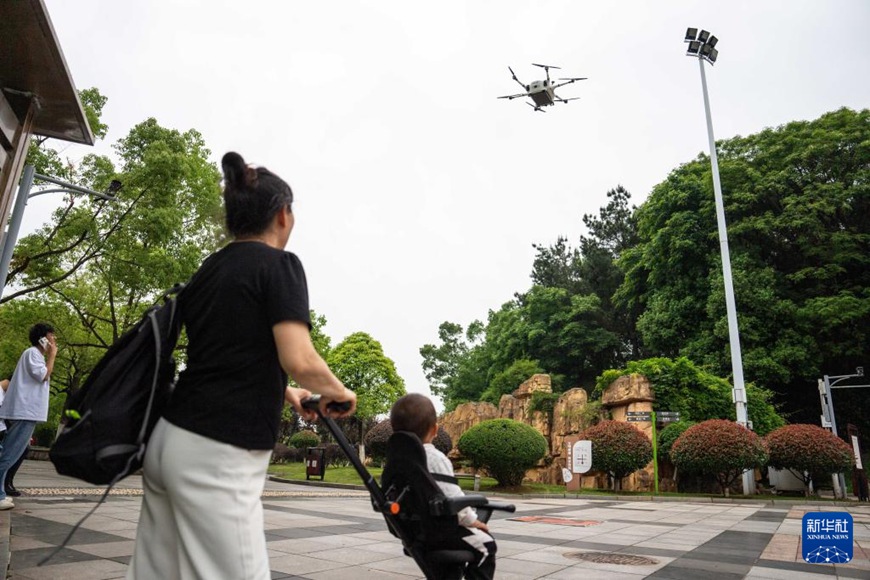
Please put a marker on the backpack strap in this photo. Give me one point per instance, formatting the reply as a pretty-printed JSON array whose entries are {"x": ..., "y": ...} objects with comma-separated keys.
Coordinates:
[{"x": 445, "y": 478}]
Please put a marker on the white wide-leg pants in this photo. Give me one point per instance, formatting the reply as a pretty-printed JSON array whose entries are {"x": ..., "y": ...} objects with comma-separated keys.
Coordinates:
[{"x": 202, "y": 518}]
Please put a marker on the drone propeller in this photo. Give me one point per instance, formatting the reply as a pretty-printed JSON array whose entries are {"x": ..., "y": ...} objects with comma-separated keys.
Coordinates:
[
  {"x": 546, "y": 66},
  {"x": 514, "y": 75},
  {"x": 511, "y": 97},
  {"x": 569, "y": 99},
  {"x": 568, "y": 81}
]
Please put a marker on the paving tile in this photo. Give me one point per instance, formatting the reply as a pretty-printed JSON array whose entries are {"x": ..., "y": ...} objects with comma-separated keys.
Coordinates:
[
  {"x": 360, "y": 573},
  {"x": 350, "y": 556},
  {"x": 585, "y": 573},
  {"x": 107, "y": 549},
  {"x": 401, "y": 565},
  {"x": 526, "y": 568},
  {"x": 759, "y": 572},
  {"x": 340, "y": 538},
  {"x": 299, "y": 564},
  {"x": 94, "y": 570}
]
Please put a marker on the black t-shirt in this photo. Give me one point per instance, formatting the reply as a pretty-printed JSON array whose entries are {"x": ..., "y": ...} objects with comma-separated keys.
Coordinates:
[{"x": 232, "y": 389}]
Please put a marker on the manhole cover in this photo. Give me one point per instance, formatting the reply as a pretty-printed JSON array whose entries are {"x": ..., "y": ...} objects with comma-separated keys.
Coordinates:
[{"x": 611, "y": 558}]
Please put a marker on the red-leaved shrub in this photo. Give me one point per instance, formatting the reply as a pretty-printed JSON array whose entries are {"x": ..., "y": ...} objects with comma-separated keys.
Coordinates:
[
  {"x": 806, "y": 450},
  {"x": 721, "y": 448},
  {"x": 618, "y": 449}
]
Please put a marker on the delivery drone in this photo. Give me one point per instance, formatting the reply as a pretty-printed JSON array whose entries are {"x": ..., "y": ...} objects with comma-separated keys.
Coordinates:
[{"x": 543, "y": 93}]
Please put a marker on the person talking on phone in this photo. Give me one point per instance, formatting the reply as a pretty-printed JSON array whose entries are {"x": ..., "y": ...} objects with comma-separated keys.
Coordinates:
[{"x": 26, "y": 401}]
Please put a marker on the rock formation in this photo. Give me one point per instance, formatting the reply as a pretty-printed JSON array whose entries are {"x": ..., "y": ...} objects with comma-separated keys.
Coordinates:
[{"x": 628, "y": 393}]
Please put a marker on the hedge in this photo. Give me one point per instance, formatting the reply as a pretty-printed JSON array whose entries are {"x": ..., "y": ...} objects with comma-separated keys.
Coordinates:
[
  {"x": 303, "y": 439},
  {"x": 504, "y": 448}
]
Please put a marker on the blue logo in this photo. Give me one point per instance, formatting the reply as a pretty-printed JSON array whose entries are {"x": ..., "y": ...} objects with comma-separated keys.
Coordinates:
[{"x": 827, "y": 537}]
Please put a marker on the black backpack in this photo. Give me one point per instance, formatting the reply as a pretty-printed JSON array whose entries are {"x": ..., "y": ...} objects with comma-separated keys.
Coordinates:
[{"x": 109, "y": 420}]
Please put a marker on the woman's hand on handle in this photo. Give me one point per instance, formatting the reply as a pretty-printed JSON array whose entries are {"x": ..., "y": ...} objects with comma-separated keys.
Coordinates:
[
  {"x": 294, "y": 397},
  {"x": 348, "y": 397}
]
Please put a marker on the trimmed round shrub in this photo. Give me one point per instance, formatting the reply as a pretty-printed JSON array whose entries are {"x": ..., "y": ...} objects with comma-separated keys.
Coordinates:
[
  {"x": 376, "y": 440},
  {"x": 668, "y": 435},
  {"x": 806, "y": 450},
  {"x": 303, "y": 439},
  {"x": 618, "y": 449},
  {"x": 377, "y": 437},
  {"x": 721, "y": 448},
  {"x": 504, "y": 448}
]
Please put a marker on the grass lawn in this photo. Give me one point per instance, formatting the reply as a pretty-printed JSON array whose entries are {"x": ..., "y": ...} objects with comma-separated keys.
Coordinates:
[
  {"x": 296, "y": 471},
  {"x": 348, "y": 475}
]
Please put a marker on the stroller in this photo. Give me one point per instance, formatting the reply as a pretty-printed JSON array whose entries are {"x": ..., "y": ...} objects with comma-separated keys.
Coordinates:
[{"x": 415, "y": 509}]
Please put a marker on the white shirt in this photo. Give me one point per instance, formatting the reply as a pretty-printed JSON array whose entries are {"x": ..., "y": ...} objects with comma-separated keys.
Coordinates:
[
  {"x": 437, "y": 462},
  {"x": 27, "y": 396}
]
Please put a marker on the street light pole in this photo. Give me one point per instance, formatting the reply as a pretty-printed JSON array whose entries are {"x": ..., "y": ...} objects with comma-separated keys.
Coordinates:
[
  {"x": 703, "y": 46},
  {"x": 829, "y": 420},
  {"x": 27, "y": 178}
]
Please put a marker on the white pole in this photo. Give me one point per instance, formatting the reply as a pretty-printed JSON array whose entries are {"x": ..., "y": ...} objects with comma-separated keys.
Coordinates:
[
  {"x": 739, "y": 390},
  {"x": 11, "y": 236}
]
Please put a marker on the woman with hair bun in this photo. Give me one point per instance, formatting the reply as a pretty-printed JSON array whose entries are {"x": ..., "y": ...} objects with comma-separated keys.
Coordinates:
[{"x": 247, "y": 321}]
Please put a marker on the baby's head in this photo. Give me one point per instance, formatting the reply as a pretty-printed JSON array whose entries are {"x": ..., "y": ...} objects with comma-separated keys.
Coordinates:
[{"x": 415, "y": 413}]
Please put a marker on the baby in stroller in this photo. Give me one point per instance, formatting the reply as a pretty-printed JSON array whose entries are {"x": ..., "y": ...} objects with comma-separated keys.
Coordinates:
[
  {"x": 415, "y": 508},
  {"x": 415, "y": 413}
]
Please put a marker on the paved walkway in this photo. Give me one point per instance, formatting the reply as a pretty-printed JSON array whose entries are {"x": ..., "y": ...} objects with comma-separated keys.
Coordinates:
[{"x": 329, "y": 534}]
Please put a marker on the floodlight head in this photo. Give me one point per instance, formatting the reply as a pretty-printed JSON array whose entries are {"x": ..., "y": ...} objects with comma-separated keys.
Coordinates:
[
  {"x": 694, "y": 47},
  {"x": 712, "y": 41},
  {"x": 691, "y": 34},
  {"x": 703, "y": 36},
  {"x": 714, "y": 54},
  {"x": 705, "y": 50}
]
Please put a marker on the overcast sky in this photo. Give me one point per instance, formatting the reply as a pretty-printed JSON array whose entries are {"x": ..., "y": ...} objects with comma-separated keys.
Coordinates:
[{"x": 419, "y": 194}]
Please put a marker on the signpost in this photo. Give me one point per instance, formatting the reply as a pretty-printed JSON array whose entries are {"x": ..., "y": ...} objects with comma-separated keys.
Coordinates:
[{"x": 653, "y": 418}]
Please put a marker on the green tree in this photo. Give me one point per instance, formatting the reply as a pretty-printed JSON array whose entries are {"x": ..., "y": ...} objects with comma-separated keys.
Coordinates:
[
  {"x": 97, "y": 265},
  {"x": 795, "y": 201},
  {"x": 455, "y": 368},
  {"x": 507, "y": 381},
  {"x": 565, "y": 322},
  {"x": 360, "y": 363}
]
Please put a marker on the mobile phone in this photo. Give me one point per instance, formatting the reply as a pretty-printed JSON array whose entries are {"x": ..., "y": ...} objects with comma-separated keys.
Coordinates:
[{"x": 44, "y": 342}]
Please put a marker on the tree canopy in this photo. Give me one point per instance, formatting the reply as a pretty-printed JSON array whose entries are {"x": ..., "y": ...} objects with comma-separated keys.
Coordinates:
[
  {"x": 647, "y": 282},
  {"x": 796, "y": 200},
  {"x": 96, "y": 265},
  {"x": 360, "y": 363}
]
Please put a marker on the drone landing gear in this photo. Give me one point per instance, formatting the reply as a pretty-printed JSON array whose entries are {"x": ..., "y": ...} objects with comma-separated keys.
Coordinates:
[{"x": 536, "y": 108}]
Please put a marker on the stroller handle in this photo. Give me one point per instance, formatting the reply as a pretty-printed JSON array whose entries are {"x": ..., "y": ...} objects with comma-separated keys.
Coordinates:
[{"x": 313, "y": 403}]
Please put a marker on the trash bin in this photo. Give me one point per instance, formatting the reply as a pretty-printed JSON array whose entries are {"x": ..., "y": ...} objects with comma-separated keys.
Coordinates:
[{"x": 314, "y": 462}]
